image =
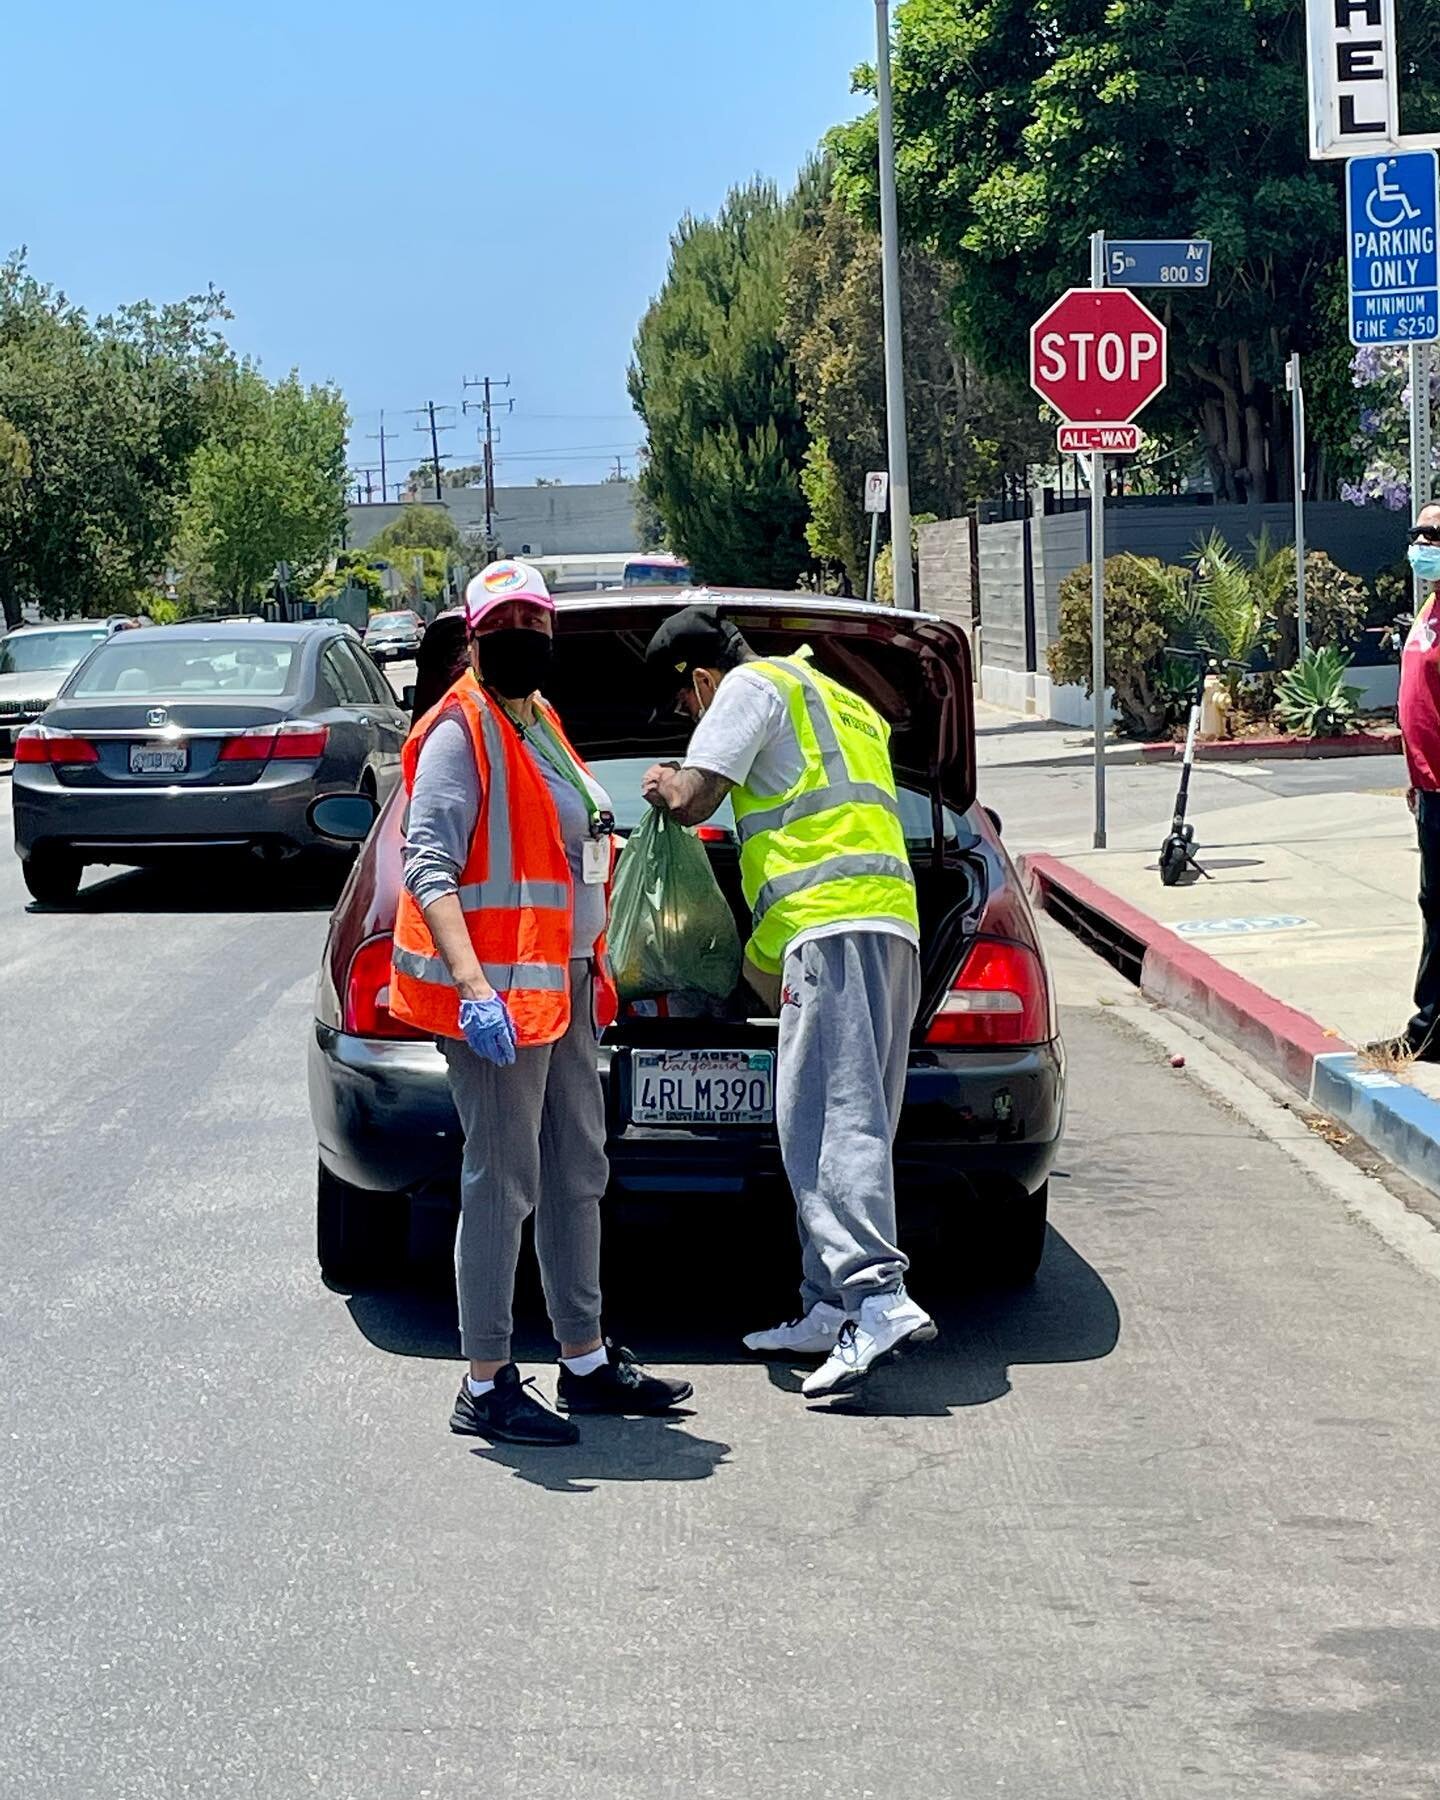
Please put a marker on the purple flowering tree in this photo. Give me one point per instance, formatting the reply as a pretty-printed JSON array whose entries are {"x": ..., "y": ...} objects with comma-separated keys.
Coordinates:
[{"x": 1382, "y": 439}]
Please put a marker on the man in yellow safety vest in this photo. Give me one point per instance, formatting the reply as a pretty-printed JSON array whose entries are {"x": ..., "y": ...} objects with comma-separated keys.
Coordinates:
[{"x": 806, "y": 765}]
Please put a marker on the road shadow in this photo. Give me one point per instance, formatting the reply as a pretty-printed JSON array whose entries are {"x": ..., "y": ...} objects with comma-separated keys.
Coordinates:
[
  {"x": 238, "y": 884},
  {"x": 670, "y": 1314},
  {"x": 613, "y": 1450}
]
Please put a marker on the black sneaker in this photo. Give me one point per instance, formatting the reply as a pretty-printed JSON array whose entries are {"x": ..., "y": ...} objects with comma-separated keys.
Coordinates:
[
  {"x": 621, "y": 1386},
  {"x": 509, "y": 1414}
]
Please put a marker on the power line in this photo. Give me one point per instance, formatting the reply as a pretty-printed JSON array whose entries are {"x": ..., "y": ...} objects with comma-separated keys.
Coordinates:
[{"x": 430, "y": 409}]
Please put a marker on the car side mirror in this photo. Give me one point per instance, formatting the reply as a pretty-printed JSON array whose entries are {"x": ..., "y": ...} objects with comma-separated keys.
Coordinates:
[
  {"x": 994, "y": 818},
  {"x": 344, "y": 818},
  {"x": 407, "y": 697}
]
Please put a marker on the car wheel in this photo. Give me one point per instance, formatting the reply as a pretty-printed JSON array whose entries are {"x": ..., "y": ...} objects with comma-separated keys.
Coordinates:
[
  {"x": 1015, "y": 1239},
  {"x": 52, "y": 876},
  {"x": 359, "y": 1236}
]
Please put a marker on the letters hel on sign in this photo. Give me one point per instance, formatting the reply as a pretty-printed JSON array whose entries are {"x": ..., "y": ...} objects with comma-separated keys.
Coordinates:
[
  {"x": 1114, "y": 440},
  {"x": 1354, "y": 102},
  {"x": 1097, "y": 355}
]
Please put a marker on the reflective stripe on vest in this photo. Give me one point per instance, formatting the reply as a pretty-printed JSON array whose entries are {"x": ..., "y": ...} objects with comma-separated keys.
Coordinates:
[
  {"x": 534, "y": 978},
  {"x": 831, "y": 850}
]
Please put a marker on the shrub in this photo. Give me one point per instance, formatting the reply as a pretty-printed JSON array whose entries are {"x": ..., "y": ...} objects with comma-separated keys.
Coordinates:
[
  {"x": 1313, "y": 698},
  {"x": 1143, "y": 600},
  {"x": 1336, "y": 607},
  {"x": 1232, "y": 618}
]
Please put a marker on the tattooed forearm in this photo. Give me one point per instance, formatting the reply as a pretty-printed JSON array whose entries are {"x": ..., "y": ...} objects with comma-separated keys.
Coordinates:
[{"x": 692, "y": 795}]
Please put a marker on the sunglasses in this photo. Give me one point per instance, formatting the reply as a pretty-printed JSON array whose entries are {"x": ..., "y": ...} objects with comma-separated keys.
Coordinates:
[{"x": 1424, "y": 534}]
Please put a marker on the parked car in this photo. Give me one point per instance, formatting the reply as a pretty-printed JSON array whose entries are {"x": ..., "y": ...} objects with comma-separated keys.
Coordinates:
[
  {"x": 394, "y": 636},
  {"x": 984, "y": 1099},
  {"x": 34, "y": 661},
  {"x": 199, "y": 737}
]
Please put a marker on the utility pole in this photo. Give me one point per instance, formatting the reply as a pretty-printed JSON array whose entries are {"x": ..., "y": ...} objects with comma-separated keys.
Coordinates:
[
  {"x": 1297, "y": 435},
  {"x": 487, "y": 407},
  {"x": 900, "y": 550},
  {"x": 430, "y": 409},
  {"x": 382, "y": 434}
]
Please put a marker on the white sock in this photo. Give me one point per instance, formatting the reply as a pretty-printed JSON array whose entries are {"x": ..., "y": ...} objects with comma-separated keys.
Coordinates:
[
  {"x": 477, "y": 1388},
  {"x": 587, "y": 1364}
]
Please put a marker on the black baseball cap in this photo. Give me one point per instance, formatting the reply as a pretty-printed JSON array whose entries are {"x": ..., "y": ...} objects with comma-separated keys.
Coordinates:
[{"x": 696, "y": 637}]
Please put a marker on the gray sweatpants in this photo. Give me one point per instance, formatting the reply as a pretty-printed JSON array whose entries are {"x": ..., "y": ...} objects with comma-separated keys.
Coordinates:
[
  {"x": 847, "y": 1006},
  {"x": 534, "y": 1142}
]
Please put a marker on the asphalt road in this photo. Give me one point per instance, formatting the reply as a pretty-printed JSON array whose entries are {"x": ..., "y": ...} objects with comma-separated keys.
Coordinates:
[{"x": 1165, "y": 1526}]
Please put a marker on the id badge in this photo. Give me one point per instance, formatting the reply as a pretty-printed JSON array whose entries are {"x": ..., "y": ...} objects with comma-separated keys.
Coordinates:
[{"x": 595, "y": 861}]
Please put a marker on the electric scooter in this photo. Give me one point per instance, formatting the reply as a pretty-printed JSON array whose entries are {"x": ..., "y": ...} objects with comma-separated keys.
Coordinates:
[{"x": 1177, "y": 853}]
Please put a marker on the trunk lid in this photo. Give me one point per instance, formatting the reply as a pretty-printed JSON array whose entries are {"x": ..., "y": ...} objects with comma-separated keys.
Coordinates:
[{"x": 199, "y": 728}]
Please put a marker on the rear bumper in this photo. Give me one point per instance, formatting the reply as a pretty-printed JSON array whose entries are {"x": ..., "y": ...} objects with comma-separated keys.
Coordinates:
[
  {"x": 385, "y": 1122},
  {"x": 129, "y": 823}
]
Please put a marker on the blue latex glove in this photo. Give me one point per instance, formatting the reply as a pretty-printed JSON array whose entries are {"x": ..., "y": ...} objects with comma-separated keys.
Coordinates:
[{"x": 489, "y": 1030}]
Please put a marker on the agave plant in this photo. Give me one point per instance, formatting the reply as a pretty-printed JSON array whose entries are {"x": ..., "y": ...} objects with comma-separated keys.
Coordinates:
[{"x": 1313, "y": 698}]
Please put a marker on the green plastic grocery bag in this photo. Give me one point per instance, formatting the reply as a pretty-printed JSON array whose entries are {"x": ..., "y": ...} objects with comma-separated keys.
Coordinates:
[{"x": 671, "y": 928}]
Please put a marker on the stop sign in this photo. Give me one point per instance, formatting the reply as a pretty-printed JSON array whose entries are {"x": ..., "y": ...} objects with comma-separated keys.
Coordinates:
[{"x": 1097, "y": 355}]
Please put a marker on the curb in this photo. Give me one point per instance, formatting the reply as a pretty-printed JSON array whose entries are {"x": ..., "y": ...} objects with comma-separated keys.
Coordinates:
[
  {"x": 1396, "y": 1120},
  {"x": 1270, "y": 749},
  {"x": 1179, "y": 974}
]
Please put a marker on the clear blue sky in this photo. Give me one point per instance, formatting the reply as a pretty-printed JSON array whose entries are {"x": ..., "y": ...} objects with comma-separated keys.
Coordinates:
[{"x": 394, "y": 197}]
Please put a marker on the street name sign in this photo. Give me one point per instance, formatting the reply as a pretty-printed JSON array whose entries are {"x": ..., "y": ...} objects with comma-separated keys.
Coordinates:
[
  {"x": 1097, "y": 355},
  {"x": 1113, "y": 440},
  {"x": 1392, "y": 219},
  {"x": 877, "y": 490},
  {"x": 1157, "y": 262}
]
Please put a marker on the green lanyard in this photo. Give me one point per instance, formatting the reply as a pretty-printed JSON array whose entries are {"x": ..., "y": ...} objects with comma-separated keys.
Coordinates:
[{"x": 544, "y": 740}]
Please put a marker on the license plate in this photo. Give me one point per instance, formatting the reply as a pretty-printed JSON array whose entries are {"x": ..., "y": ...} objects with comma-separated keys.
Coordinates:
[
  {"x": 702, "y": 1087},
  {"x": 159, "y": 759}
]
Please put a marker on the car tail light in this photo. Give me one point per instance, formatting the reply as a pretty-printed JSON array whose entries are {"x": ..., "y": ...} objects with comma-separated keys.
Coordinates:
[
  {"x": 714, "y": 834},
  {"x": 1001, "y": 991},
  {"x": 48, "y": 744},
  {"x": 298, "y": 740},
  {"x": 367, "y": 994}
]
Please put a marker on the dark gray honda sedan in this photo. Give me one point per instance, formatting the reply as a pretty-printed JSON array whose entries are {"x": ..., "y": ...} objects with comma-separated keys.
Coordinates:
[{"x": 191, "y": 737}]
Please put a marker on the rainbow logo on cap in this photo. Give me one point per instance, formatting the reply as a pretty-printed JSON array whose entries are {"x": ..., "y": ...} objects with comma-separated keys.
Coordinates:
[{"x": 503, "y": 577}]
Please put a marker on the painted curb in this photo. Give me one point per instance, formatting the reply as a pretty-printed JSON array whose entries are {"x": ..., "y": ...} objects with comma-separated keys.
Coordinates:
[
  {"x": 1396, "y": 1120},
  {"x": 1279, "y": 749}
]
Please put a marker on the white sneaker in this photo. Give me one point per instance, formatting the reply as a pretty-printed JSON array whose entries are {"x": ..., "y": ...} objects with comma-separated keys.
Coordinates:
[
  {"x": 886, "y": 1322},
  {"x": 814, "y": 1335}
]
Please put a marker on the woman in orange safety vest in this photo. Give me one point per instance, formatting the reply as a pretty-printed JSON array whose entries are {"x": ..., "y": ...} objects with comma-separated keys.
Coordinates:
[{"x": 500, "y": 953}]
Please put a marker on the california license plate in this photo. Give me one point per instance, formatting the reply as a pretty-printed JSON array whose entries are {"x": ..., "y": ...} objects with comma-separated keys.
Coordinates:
[
  {"x": 702, "y": 1087},
  {"x": 159, "y": 759}
]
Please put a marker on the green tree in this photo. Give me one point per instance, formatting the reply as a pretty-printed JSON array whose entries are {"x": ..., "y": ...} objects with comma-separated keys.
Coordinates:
[
  {"x": 965, "y": 429},
  {"x": 1022, "y": 127},
  {"x": 267, "y": 486},
  {"x": 419, "y": 527},
  {"x": 101, "y": 419},
  {"x": 716, "y": 390}
]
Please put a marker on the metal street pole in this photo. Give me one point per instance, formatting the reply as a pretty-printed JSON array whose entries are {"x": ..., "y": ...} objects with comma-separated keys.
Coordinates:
[
  {"x": 1097, "y": 581},
  {"x": 1297, "y": 437},
  {"x": 1422, "y": 484},
  {"x": 900, "y": 548},
  {"x": 874, "y": 544}
]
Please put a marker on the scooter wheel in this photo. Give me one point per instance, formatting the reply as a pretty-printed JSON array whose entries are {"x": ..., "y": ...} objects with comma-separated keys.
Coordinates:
[{"x": 1173, "y": 859}]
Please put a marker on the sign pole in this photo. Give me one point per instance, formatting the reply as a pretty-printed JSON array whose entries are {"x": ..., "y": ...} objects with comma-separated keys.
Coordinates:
[
  {"x": 1421, "y": 481},
  {"x": 870, "y": 571},
  {"x": 1097, "y": 580},
  {"x": 1297, "y": 439}
]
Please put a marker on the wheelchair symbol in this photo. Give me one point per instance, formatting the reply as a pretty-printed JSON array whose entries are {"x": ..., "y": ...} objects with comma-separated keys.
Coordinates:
[{"x": 1388, "y": 194}]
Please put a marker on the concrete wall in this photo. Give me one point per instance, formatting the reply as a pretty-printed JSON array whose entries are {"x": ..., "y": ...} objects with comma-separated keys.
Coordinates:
[
  {"x": 597, "y": 516},
  {"x": 945, "y": 569}
]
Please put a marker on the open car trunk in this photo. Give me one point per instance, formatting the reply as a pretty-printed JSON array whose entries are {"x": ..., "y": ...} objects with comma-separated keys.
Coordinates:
[{"x": 913, "y": 668}]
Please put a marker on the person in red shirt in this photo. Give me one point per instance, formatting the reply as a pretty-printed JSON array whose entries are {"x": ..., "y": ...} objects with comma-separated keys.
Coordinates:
[{"x": 1420, "y": 731}]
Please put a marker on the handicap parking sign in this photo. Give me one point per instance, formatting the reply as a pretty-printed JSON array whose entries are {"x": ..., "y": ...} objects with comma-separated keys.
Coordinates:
[{"x": 1391, "y": 212}]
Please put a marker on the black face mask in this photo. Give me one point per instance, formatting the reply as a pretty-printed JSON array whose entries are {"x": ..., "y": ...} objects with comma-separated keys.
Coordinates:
[{"x": 515, "y": 662}]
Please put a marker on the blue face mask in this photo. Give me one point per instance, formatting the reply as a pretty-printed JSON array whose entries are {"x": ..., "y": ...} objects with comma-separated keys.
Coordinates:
[{"x": 1425, "y": 561}]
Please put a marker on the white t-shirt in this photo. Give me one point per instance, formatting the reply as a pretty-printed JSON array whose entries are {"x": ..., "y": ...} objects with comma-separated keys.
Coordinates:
[{"x": 746, "y": 736}]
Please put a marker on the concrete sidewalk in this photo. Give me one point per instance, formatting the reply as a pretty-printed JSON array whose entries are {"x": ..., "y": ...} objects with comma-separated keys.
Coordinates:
[{"x": 1300, "y": 948}]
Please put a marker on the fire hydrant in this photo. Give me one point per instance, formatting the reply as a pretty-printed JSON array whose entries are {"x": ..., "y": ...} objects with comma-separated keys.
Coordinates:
[{"x": 1214, "y": 708}]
